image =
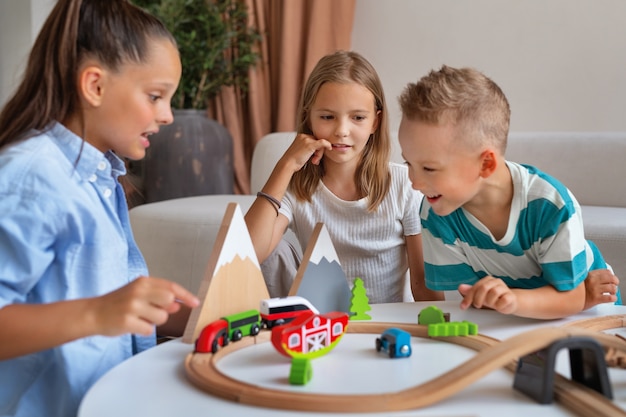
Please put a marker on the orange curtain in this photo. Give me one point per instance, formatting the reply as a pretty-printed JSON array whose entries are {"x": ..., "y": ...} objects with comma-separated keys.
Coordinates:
[{"x": 296, "y": 34}]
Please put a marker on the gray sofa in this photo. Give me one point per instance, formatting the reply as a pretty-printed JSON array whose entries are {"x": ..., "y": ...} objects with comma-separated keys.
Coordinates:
[
  {"x": 176, "y": 236},
  {"x": 591, "y": 165}
]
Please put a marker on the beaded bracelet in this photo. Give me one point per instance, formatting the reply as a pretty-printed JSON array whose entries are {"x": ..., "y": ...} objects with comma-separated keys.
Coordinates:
[{"x": 274, "y": 202}]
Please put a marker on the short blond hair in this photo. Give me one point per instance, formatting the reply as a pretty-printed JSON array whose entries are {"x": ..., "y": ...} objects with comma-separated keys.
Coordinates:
[{"x": 463, "y": 97}]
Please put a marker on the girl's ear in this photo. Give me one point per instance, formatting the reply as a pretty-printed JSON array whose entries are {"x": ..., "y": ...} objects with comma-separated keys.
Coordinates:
[
  {"x": 488, "y": 163},
  {"x": 376, "y": 122},
  {"x": 91, "y": 85}
]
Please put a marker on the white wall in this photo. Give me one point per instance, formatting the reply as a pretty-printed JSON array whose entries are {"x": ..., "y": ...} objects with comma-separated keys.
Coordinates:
[
  {"x": 20, "y": 21},
  {"x": 561, "y": 63},
  {"x": 15, "y": 40}
]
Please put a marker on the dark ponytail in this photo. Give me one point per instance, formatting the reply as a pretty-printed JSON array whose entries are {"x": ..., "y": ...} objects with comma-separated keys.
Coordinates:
[{"x": 112, "y": 31}]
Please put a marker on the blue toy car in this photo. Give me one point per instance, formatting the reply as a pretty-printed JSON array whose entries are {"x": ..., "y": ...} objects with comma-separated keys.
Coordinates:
[{"x": 396, "y": 342}]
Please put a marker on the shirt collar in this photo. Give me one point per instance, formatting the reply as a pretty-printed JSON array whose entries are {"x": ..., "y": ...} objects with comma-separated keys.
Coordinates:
[
  {"x": 83, "y": 155},
  {"x": 118, "y": 167}
]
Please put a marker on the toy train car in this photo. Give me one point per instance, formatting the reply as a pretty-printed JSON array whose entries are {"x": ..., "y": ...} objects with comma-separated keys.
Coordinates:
[
  {"x": 281, "y": 310},
  {"x": 396, "y": 342},
  {"x": 232, "y": 327}
]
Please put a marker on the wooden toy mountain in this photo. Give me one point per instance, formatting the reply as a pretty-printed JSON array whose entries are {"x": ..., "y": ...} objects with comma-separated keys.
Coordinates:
[
  {"x": 320, "y": 278},
  {"x": 233, "y": 281}
]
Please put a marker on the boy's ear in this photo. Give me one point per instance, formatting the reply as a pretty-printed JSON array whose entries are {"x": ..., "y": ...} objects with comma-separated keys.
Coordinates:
[
  {"x": 91, "y": 85},
  {"x": 488, "y": 163}
]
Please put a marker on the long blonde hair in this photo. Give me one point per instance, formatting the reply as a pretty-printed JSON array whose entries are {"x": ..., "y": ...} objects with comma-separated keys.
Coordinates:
[{"x": 372, "y": 176}]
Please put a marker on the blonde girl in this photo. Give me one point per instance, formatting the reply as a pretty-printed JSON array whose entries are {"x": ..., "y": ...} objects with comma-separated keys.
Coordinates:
[{"x": 337, "y": 171}]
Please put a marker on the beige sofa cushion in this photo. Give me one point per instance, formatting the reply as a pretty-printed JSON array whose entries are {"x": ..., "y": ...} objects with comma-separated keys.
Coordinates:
[
  {"x": 176, "y": 236},
  {"x": 590, "y": 164}
]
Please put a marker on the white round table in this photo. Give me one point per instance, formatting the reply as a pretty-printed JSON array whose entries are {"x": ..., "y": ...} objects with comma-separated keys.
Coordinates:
[{"x": 154, "y": 383}]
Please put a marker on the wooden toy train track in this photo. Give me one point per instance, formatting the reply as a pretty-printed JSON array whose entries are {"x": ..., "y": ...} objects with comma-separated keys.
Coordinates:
[{"x": 492, "y": 354}]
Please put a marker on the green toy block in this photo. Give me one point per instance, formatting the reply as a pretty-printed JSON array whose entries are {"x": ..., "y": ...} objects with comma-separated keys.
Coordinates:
[
  {"x": 301, "y": 371},
  {"x": 455, "y": 328},
  {"x": 430, "y": 315}
]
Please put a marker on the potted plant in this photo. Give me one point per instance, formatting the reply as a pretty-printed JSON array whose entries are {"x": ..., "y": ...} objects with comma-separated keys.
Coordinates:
[{"x": 217, "y": 48}]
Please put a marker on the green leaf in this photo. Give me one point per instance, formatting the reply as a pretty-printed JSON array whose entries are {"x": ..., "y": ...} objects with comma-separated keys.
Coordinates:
[{"x": 216, "y": 45}]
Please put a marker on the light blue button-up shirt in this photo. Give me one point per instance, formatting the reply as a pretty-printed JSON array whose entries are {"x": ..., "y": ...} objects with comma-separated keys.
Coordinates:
[{"x": 64, "y": 234}]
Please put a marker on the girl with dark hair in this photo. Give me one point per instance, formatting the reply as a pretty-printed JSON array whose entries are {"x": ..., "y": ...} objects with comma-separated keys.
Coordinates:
[{"x": 75, "y": 298}]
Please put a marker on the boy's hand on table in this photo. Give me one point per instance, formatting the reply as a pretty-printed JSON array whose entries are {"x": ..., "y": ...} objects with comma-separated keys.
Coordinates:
[
  {"x": 489, "y": 292},
  {"x": 600, "y": 287}
]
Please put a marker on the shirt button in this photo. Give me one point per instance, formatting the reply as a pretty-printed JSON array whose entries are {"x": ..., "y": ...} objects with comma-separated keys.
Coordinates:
[
  {"x": 93, "y": 178},
  {"x": 102, "y": 165},
  {"x": 107, "y": 193}
]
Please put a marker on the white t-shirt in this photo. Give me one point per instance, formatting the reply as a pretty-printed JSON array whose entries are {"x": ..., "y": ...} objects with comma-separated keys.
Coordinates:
[{"x": 370, "y": 245}]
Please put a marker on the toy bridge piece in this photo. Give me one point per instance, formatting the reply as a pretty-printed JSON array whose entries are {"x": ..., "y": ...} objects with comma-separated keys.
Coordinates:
[
  {"x": 320, "y": 278},
  {"x": 535, "y": 372},
  {"x": 233, "y": 281}
]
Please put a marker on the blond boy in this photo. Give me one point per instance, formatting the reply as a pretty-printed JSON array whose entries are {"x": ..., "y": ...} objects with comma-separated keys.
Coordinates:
[{"x": 507, "y": 236}]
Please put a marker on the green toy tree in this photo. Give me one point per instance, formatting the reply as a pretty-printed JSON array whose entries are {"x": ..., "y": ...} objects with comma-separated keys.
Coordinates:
[{"x": 359, "y": 303}]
